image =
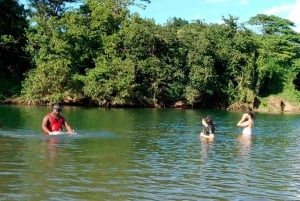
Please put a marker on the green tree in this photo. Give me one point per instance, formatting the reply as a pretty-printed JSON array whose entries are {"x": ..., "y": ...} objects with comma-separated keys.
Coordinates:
[
  {"x": 49, "y": 79},
  {"x": 200, "y": 71},
  {"x": 278, "y": 51},
  {"x": 157, "y": 54},
  {"x": 235, "y": 54},
  {"x": 13, "y": 59},
  {"x": 110, "y": 82},
  {"x": 47, "y": 83},
  {"x": 83, "y": 43}
]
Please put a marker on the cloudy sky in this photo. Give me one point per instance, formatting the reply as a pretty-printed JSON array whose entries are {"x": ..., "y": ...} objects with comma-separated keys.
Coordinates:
[{"x": 211, "y": 11}]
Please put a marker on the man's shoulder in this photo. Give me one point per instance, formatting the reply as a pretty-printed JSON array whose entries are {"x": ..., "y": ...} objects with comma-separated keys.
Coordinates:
[{"x": 46, "y": 116}]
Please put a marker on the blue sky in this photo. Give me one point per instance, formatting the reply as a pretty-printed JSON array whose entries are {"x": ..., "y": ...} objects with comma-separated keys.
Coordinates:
[{"x": 211, "y": 11}]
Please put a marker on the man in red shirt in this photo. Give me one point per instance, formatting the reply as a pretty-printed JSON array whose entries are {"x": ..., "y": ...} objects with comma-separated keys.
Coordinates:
[{"x": 54, "y": 121}]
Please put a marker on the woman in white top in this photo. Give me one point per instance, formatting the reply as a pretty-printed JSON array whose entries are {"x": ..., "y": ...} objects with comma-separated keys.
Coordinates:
[{"x": 247, "y": 122}]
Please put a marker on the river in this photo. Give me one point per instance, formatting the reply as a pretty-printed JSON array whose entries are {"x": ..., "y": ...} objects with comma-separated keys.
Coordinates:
[{"x": 147, "y": 154}]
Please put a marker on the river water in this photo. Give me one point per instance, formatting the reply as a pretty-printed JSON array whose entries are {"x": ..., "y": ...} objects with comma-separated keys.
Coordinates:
[{"x": 147, "y": 154}]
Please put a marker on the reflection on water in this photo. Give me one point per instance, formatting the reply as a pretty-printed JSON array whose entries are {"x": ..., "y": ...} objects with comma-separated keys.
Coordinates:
[
  {"x": 244, "y": 144},
  {"x": 206, "y": 147},
  {"x": 144, "y": 154},
  {"x": 50, "y": 154}
]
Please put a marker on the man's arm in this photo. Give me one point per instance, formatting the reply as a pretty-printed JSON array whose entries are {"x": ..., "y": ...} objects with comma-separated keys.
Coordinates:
[
  {"x": 44, "y": 125},
  {"x": 68, "y": 127}
]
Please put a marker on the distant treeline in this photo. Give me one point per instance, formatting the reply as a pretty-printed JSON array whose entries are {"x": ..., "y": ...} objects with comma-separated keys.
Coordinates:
[{"x": 98, "y": 52}]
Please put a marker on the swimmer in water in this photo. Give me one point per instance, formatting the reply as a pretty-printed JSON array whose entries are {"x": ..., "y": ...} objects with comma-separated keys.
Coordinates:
[
  {"x": 247, "y": 122},
  {"x": 209, "y": 128}
]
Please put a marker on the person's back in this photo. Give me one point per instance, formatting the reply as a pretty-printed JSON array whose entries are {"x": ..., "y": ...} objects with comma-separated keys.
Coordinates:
[{"x": 209, "y": 128}]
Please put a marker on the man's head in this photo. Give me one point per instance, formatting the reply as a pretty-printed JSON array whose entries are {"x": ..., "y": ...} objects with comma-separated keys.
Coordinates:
[{"x": 56, "y": 109}]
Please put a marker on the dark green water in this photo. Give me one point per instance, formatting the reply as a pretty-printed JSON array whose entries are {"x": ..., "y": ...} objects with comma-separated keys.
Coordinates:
[{"x": 147, "y": 154}]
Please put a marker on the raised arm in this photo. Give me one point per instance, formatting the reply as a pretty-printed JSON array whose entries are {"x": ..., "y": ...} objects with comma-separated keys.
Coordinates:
[{"x": 244, "y": 122}]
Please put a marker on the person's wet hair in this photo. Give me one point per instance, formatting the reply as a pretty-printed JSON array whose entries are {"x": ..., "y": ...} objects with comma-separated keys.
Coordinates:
[
  {"x": 251, "y": 114},
  {"x": 208, "y": 120}
]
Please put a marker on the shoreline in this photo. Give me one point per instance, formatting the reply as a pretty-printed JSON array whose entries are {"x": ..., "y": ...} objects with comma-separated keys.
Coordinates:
[
  {"x": 263, "y": 111},
  {"x": 272, "y": 104}
]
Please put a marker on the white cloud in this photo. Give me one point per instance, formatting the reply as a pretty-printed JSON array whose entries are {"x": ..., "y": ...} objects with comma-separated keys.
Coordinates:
[
  {"x": 278, "y": 10},
  {"x": 294, "y": 15},
  {"x": 287, "y": 11}
]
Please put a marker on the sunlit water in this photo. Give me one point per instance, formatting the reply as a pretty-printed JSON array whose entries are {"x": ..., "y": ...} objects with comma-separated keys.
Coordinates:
[{"x": 146, "y": 154}]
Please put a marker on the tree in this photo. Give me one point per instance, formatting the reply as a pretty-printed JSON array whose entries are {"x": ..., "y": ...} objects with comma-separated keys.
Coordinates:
[
  {"x": 110, "y": 82},
  {"x": 278, "y": 51},
  {"x": 49, "y": 8},
  {"x": 158, "y": 57},
  {"x": 80, "y": 45},
  {"x": 200, "y": 71},
  {"x": 49, "y": 79},
  {"x": 13, "y": 59}
]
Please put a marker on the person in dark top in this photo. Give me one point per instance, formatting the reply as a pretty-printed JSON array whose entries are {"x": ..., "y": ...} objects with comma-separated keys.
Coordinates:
[{"x": 209, "y": 128}]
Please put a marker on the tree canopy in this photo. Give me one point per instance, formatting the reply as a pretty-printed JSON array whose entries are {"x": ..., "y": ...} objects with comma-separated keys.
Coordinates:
[
  {"x": 100, "y": 53},
  {"x": 13, "y": 59}
]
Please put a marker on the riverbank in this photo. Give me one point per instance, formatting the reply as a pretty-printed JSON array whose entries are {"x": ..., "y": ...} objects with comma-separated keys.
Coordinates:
[{"x": 271, "y": 104}]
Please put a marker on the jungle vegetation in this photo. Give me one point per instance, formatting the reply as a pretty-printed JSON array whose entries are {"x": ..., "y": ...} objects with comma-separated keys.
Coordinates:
[{"x": 97, "y": 52}]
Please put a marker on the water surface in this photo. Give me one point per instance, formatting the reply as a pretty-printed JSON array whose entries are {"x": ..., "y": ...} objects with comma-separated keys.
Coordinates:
[{"x": 147, "y": 154}]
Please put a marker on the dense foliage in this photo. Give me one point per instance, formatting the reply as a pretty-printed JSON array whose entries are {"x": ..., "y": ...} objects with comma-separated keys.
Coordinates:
[
  {"x": 13, "y": 60},
  {"x": 98, "y": 52}
]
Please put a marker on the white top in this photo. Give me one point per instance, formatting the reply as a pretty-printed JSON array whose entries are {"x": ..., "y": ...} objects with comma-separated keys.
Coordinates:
[{"x": 247, "y": 131}]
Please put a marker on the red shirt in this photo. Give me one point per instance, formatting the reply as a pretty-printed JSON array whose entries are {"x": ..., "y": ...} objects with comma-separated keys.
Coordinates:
[{"x": 55, "y": 123}]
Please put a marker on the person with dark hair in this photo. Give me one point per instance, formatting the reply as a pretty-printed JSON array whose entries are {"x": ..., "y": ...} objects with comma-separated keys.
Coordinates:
[
  {"x": 54, "y": 121},
  {"x": 247, "y": 122},
  {"x": 209, "y": 128}
]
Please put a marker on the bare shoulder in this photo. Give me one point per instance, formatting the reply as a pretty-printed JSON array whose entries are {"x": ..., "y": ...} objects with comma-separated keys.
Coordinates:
[{"x": 45, "y": 119}]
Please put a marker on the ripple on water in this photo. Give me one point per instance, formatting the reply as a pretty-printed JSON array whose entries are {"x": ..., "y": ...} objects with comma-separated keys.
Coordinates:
[{"x": 155, "y": 157}]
